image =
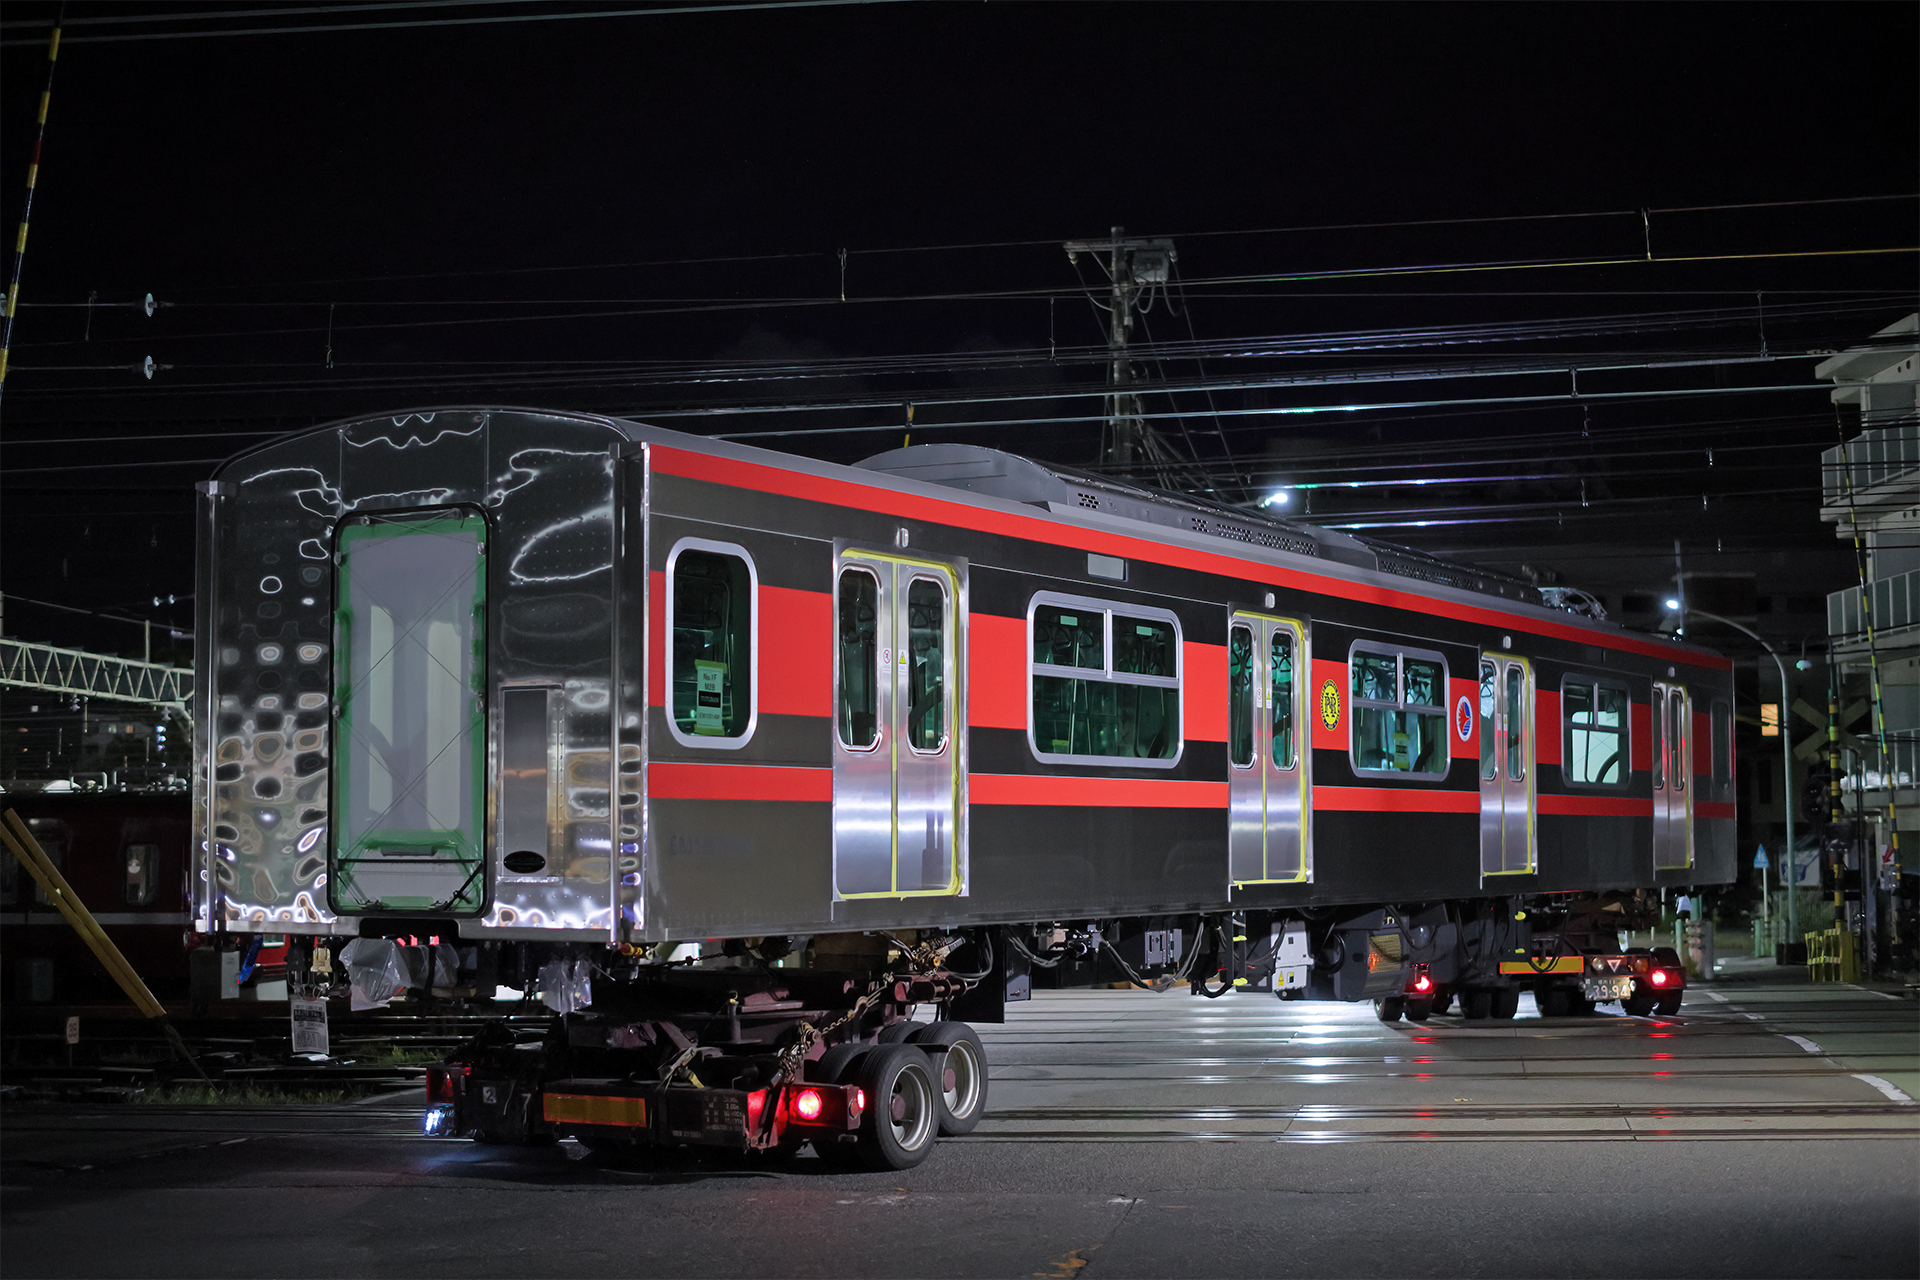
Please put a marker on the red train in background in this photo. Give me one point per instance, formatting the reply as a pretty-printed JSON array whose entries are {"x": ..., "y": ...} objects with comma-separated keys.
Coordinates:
[{"x": 125, "y": 856}]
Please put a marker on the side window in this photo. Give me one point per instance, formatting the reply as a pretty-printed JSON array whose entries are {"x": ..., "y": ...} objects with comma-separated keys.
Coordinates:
[
  {"x": 1240, "y": 696},
  {"x": 1594, "y": 719},
  {"x": 1679, "y": 762},
  {"x": 1105, "y": 681},
  {"x": 1399, "y": 720},
  {"x": 1489, "y": 720},
  {"x": 1722, "y": 745},
  {"x": 143, "y": 874},
  {"x": 1284, "y": 747},
  {"x": 1658, "y": 719},
  {"x": 52, "y": 835},
  {"x": 710, "y": 592},
  {"x": 859, "y": 607},
  {"x": 926, "y": 676}
]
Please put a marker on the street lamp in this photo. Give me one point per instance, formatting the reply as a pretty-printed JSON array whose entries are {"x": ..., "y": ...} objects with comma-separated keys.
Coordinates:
[{"x": 1786, "y": 751}]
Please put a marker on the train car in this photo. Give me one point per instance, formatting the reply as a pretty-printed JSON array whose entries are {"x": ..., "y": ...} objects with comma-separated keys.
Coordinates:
[
  {"x": 125, "y": 856},
  {"x": 572, "y": 688}
]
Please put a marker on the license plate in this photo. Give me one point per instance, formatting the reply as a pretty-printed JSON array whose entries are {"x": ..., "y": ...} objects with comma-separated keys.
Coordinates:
[{"x": 1616, "y": 987}]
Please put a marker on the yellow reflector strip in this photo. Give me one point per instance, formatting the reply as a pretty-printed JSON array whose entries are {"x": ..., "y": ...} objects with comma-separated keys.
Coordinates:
[
  {"x": 1561, "y": 964},
  {"x": 584, "y": 1108}
]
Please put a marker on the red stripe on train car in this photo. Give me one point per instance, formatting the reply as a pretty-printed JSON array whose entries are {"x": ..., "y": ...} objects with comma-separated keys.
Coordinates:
[
  {"x": 679, "y": 780},
  {"x": 1596, "y": 806},
  {"x": 996, "y": 672},
  {"x": 796, "y": 652},
  {"x": 656, "y": 639},
  {"x": 1393, "y": 800},
  {"x": 1714, "y": 809},
  {"x": 1095, "y": 793},
  {"x": 1203, "y": 706},
  {"x": 1640, "y": 737},
  {"x": 667, "y": 460},
  {"x": 1546, "y": 721}
]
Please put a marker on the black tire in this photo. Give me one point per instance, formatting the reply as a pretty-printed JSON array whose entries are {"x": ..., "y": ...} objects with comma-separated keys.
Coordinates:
[
  {"x": 1667, "y": 1006},
  {"x": 1442, "y": 1000},
  {"x": 902, "y": 1118},
  {"x": 1638, "y": 1005},
  {"x": 1578, "y": 1005},
  {"x": 957, "y": 1056},
  {"x": 1389, "y": 1008},
  {"x": 833, "y": 1066},
  {"x": 1506, "y": 1003},
  {"x": 1419, "y": 1009},
  {"x": 898, "y": 1033},
  {"x": 1476, "y": 1004},
  {"x": 1555, "y": 1001}
]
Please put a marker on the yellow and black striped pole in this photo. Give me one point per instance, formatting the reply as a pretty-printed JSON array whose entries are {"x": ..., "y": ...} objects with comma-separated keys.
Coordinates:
[{"x": 26, "y": 213}]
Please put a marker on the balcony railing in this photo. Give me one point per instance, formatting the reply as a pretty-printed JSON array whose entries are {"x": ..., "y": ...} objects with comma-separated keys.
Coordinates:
[
  {"x": 1896, "y": 604},
  {"x": 1870, "y": 459}
]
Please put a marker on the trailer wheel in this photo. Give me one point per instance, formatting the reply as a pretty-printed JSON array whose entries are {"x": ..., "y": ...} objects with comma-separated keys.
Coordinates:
[
  {"x": 1506, "y": 1002},
  {"x": 1389, "y": 1008},
  {"x": 955, "y": 1052},
  {"x": 1419, "y": 1009},
  {"x": 1667, "y": 1006},
  {"x": 1476, "y": 1004},
  {"x": 1442, "y": 1000},
  {"x": 836, "y": 1064},
  {"x": 1553, "y": 999},
  {"x": 899, "y": 1032},
  {"x": 1637, "y": 1005},
  {"x": 902, "y": 1115}
]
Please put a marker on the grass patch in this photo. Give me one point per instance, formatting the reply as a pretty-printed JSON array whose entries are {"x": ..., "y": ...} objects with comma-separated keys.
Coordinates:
[{"x": 250, "y": 1094}]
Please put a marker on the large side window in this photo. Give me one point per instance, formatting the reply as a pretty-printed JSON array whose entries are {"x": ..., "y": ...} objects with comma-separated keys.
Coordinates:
[
  {"x": 1399, "y": 720},
  {"x": 143, "y": 874},
  {"x": 1105, "y": 681},
  {"x": 1594, "y": 718},
  {"x": 710, "y": 591}
]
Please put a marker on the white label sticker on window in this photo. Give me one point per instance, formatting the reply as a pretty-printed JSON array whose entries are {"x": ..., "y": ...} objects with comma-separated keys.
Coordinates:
[{"x": 712, "y": 694}]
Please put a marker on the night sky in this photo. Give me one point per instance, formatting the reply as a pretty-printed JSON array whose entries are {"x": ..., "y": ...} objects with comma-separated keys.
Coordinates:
[{"x": 644, "y": 215}]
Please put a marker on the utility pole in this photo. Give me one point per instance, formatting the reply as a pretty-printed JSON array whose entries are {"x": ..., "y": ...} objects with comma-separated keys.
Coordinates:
[{"x": 1134, "y": 268}]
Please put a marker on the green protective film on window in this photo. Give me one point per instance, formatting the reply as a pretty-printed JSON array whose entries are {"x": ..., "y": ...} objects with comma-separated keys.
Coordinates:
[
  {"x": 410, "y": 736},
  {"x": 1142, "y": 647},
  {"x": 1069, "y": 637},
  {"x": 1240, "y": 696},
  {"x": 1426, "y": 686},
  {"x": 859, "y": 657},
  {"x": 1281, "y": 669},
  {"x": 712, "y": 626},
  {"x": 927, "y": 669},
  {"x": 1677, "y": 740},
  {"x": 1377, "y": 739}
]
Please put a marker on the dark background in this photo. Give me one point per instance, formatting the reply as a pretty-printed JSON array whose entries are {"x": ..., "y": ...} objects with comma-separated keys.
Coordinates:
[{"x": 644, "y": 215}]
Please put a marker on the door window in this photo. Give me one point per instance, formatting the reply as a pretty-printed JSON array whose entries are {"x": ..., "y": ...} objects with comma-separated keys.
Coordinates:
[{"x": 711, "y": 589}]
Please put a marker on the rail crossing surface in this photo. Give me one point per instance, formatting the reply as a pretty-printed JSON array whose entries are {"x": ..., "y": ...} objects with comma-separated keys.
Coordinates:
[{"x": 1769, "y": 1129}]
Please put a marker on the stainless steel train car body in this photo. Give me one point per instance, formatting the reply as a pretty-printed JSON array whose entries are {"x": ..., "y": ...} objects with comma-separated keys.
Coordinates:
[{"x": 553, "y": 676}]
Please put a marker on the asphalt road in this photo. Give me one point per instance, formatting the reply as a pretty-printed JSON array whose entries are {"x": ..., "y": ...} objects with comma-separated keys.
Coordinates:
[{"x": 1768, "y": 1130}]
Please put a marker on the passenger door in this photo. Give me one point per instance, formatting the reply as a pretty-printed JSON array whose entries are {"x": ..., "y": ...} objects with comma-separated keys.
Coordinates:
[
  {"x": 1269, "y": 823},
  {"x": 899, "y": 793},
  {"x": 1672, "y": 718},
  {"x": 1508, "y": 842}
]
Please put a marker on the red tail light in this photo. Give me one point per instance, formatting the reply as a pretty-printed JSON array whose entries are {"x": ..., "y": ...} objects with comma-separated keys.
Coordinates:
[
  {"x": 1658, "y": 977},
  {"x": 1423, "y": 984},
  {"x": 440, "y": 1080},
  {"x": 806, "y": 1104},
  {"x": 859, "y": 1099}
]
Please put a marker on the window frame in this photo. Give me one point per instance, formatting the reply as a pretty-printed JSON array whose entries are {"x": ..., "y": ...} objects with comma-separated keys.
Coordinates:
[
  {"x": 839, "y": 665},
  {"x": 714, "y": 742},
  {"x": 1106, "y": 675},
  {"x": 1596, "y": 683},
  {"x": 1400, "y": 653}
]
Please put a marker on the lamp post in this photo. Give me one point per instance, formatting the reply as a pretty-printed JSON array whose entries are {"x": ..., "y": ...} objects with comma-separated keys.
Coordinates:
[{"x": 1786, "y": 751}]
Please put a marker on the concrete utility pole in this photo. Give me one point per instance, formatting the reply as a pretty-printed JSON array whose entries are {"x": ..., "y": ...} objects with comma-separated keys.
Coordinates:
[
  {"x": 1133, "y": 267},
  {"x": 1786, "y": 758}
]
